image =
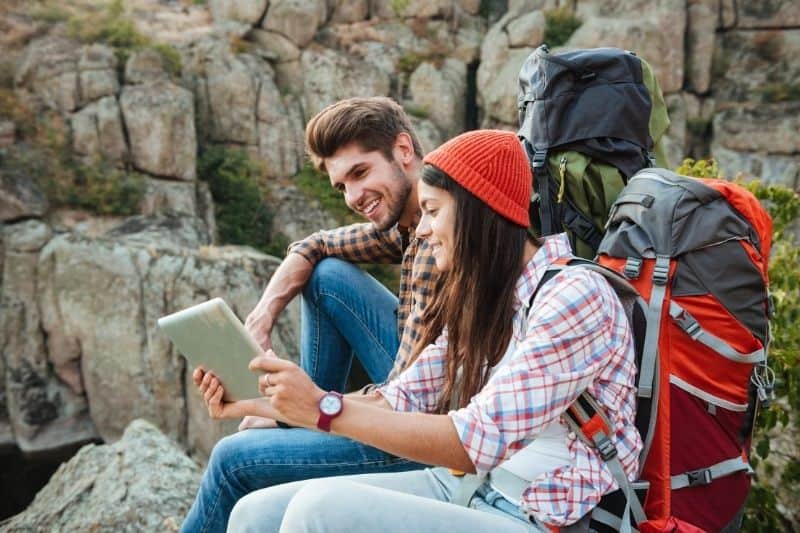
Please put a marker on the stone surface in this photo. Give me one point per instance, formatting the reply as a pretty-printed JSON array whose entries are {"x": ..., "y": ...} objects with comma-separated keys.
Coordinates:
[
  {"x": 169, "y": 197},
  {"x": 428, "y": 134},
  {"x": 701, "y": 25},
  {"x": 768, "y": 14},
  {"x": 337, "y": 76},
  {"x": 97, "y": 131},
  {"x": 756, "y": 65},
  {"x": 231, "y": 91},
  {"x": 97, "y": 71},
  {"x": 440, "y": 92},
  {"x": 287, "y": 200},
  {"x": 277, "y": 47},
  {"x": 296, "y": 19},
  {"x": 49, "y": 69},
  {"x": 763, "y": 128},
  {"x": 143, "y": 482},
  {"x": 20, "y": 197},
  {"x": 280, "y": 131},
  {"x": 527, "y": 30},
  {"x": 771, "y": 169},
  {"x": 349, "y": 11},
  {"x": 159, "y": 118},
  {"x": 145, "y": 66},
  {"x": 246, "y": 11},
  {"x": 8, "y": 133}
]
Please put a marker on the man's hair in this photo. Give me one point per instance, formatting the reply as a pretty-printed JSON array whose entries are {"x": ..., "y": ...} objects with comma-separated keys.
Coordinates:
[{"x": 374, "y": 123}]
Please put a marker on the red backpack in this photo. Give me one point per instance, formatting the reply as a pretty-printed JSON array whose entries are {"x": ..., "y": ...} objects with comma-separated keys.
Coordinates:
[{"x": 696, "y": 252}]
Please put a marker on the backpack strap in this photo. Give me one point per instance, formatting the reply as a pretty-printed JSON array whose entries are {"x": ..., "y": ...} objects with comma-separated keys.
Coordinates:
[{"x": 647, "y": 371}]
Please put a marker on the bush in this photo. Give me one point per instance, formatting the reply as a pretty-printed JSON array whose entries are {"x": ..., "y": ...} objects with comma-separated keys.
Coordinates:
[
  {"x": 783, "y": 204},
  {"x": 560, "y": 24},
  {"x": 239, "y": 199}
]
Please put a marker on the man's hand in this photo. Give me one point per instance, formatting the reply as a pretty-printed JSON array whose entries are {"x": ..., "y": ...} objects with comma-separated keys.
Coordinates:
[
  {"x": 289, "y": 389},
  {"x": 259, "y": 324}
]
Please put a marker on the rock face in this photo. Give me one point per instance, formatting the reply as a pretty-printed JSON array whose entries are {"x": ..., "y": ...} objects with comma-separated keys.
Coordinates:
[
  {"x": 97, "y": 131},
  {"x": 20, "y": 198},
  {"x": 143, "y": 482}
]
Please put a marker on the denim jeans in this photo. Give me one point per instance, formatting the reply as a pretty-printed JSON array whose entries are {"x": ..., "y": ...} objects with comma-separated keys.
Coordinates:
[
  {"x": 389, "y": 503},
  {"x": 345, "y": 312}
]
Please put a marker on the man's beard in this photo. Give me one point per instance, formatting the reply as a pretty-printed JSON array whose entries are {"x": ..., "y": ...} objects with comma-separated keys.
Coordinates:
[{"x": 399, "y": 199}]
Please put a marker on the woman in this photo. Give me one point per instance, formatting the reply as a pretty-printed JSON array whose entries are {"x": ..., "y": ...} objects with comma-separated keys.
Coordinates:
[{"x": 493, "y": 375}]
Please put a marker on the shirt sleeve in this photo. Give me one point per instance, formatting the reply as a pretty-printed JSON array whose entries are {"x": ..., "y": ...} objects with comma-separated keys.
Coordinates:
[
  {"x": 563, "y": 349},
  {"x": 357, "y": 243},
  {"x": 417, "y": 388}
]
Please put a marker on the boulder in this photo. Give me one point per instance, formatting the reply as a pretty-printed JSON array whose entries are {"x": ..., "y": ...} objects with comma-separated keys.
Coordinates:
[
  {"x": 440, "y": 91},
  {"x": 20, "y": 197},
  {"x": 245, "y": 11},
  {"x": 701, "y": 37},
  {"x": 428, "y": 134},
  {"x": 231, "y": 90},
  {"x": 145, "y": 66},
  {"x": 757, "y": 65},
  {"x": 8, "y": 133},
  {"x": 280, "y": 131},
  {"x": 423, "y": 9},
  {"x": 97, "y": 131},
  {"x": 349, "y": 11},
  {"x": 771, "y": 169},
  {"x": 498, "y": 80},
  {"x": 97, "y": 71},
  {"x": 766, "y": 128},
  {"x": 275, "y": 46},
  {"x": 44, "y": 391},
  {"x": 296, "y": 19},
  {"x": 159, "y": 118},
  {"x": 169, "y": 197},
  {"x": 143, "y": 482},
  {"x": 527, "y": 30},
  {"x": 287, "y": 200},
  {"x": 49, "y": 69},
  {"x": 336, "y": 76},
  {"x": 771, "y": 14},
  {"x": 130, "y": 369}
]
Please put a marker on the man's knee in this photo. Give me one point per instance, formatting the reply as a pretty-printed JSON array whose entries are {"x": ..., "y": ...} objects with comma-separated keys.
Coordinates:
[{"x": 328, "y": 271}]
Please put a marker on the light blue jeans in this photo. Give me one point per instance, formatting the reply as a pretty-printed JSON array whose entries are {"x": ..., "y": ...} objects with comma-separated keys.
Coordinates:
[
  {"x": 345, "y": 312},
  {"x": 416, "y": 501}
]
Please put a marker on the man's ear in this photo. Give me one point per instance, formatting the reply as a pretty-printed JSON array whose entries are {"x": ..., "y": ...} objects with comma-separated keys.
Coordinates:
[{"x": 403, "y": 149}]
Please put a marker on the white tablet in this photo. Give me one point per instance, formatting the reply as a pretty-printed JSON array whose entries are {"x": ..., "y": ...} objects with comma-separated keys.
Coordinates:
[{"x": 211, "y": 336}]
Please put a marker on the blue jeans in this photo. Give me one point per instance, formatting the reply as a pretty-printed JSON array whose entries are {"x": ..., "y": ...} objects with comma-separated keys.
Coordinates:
[{"x": 344, "y": 312}]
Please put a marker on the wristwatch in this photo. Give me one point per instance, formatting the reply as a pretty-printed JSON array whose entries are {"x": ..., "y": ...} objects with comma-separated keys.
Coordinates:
[{"x": 330, "y": 406}]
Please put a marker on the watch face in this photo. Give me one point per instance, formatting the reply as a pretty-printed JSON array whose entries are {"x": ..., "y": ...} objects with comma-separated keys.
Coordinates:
[{"x": 330, "y": 404}]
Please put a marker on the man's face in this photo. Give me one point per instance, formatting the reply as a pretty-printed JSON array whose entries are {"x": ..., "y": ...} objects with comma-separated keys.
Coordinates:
[{"x": 372, "y": 186}]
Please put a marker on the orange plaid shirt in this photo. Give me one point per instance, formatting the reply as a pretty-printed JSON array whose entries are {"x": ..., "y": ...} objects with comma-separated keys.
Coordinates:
[{"x": 362, "y": 243}]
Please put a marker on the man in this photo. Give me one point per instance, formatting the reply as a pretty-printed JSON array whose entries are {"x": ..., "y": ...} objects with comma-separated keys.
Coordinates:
[{"x": 370, "y": 153}]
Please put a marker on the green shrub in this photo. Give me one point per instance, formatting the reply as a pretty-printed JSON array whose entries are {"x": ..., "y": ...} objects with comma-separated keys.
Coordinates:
[
  {"x": 560, "y": 24},
  {"x": 171, "y": 58},
  {"x": 780, "y": 92},
  {"x": 239, "y": 199},
  {"x": 783, "y": 204}
]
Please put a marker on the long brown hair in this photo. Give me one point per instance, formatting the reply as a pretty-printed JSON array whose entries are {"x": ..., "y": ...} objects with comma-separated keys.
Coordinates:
[{"x": 473, "y": 299}]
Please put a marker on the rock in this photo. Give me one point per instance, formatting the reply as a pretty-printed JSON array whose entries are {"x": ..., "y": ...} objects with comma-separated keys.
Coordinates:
[
  {"x": 170, "y": 232},
  {"x": 97, "y": 69},
  {"x": 49, "y": 69},
  {"x": 527, "y": 30},
  {"x": 97, "y": 131},
  {"x": 159, "y": 118},
  {"x": 423, "y": 9},
  {"x": 473, "y": 7},
  {"x": 771, "y": 169},
  {"x": 296, "y": 19},
  {"x": 428, "y": 134},
  {"x": 467, "y": 45},
  {"x": 232, "y": 92},
  {"x": 287, "y": 200},
  {"x": 675, "y": 139},
  {"x": 8, "y": 133},
  {"x": 701, "y": 36},
  {"x": 657, "y": 37},
  {"x": 767, "y": 128},
  {"x": 20, "y": 197},
  {"x": 756, "y": 65},
  {"x": 280, "y": 131},
  {"x": 349, "y": 11},
  {"x": 143, "y": 482},
  {"x": 278, "y": 47},
  {"x": 145, "y": 66},
  {"x": 205, "y": 210},
  {"x": 168, "y": 197},
  {"x": 498, "y": 74},
  {"x": 337, "y": 76},
  {"x": 440, "y": 91},
  {"x": 246, "y": 11},
  {"x": 727, "y": 14},
  {"x": 130, "y": 369},
  {"x": 770, "y": 14},
  {"x": 46, "y": 407}
]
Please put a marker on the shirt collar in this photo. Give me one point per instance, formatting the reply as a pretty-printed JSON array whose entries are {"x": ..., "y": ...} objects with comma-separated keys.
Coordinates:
[{"x": 555, "y": 247}]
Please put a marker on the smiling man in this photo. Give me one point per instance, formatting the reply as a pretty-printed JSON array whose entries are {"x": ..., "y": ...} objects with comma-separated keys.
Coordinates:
[{"x": 371, "y": 155}]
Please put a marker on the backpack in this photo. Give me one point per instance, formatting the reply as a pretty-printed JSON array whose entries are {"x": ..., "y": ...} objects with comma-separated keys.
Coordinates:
[
  {"x": 696, "y": 252},
  {"x": 589, "y": 119}
]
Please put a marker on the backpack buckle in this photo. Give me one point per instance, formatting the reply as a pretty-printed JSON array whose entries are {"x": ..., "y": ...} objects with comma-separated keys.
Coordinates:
[
  {"x": 539, "y": 158},
  {"x": 605, "y": 447},
  {"x": 632, "y": 267},
  {"x": 700, "y": 477},
  {"x": 661, "y": 270}
]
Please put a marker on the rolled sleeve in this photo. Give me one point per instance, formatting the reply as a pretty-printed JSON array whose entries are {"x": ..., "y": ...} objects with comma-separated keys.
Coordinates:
[
  {"x": 417, "y": 388},
  {"x": 357, "y": 243}
]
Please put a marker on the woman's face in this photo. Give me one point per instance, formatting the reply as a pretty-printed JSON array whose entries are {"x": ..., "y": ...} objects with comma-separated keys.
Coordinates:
[{"x": 437, "y": 223}]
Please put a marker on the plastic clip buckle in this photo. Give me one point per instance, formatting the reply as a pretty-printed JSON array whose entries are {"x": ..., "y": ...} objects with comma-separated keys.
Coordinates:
[
  {"x": 632, "y": 267},
  {"x": 539, "y": 158},
  {"x": 606, "y": 448},
  {"x": 661, "y": 273},
  {"x": 699, "y": 477}
]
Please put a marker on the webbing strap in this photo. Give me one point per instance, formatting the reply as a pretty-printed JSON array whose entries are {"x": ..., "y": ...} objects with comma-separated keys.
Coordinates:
[
  {"x": 466, "y": 489},
  {"x": 692, "y": 328},
  {"x": 650, "y": 352},
  {"x": 611, "y": 520},
  {"x": 705, "y": 476}
]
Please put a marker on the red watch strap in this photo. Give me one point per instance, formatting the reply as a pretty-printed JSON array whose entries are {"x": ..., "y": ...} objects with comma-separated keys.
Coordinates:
[{"x": 324, "y": 421}]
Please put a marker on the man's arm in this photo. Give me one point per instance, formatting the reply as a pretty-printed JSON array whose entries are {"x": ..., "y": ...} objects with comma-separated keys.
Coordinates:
[{"x": 287, "y": 281}]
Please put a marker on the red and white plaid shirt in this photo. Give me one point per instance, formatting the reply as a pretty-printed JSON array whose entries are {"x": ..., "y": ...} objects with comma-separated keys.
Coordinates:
[{"x": 575, "y": 337}]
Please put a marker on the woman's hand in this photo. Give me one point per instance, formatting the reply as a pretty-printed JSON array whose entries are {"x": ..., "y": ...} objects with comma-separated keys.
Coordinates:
[
  {"x": 289, "y": 389},
  {"x": 212, "y": 392},
  {"x": 257, "y": 422}
]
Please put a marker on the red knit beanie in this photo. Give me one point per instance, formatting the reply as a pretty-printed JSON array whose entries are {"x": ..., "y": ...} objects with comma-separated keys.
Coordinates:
[{"x": 492, "y": 165}]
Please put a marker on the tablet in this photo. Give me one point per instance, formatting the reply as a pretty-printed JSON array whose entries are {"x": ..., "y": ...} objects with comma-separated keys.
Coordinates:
[{"x": 211, "y": 336}]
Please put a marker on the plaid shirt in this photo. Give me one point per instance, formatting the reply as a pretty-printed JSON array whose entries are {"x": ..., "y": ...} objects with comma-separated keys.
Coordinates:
[
  {"x": 576, "y": 336},
  {"x": 362, "y": 243}
]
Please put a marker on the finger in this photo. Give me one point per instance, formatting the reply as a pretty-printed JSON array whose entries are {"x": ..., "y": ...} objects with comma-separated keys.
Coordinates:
[
  {"x": 197, "y": 375},
  {"x": 211, "y": 390},
  {"x": 217, "y": 398},
  {"x": 271, "y": 353},
  {"x": 269, "y": 364}
]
